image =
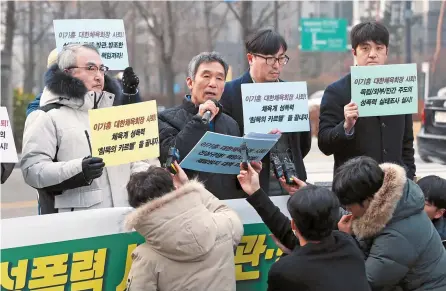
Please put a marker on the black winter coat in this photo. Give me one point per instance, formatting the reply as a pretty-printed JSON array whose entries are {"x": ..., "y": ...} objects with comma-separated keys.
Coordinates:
[
  {"x": 299, "y": 142},
  {"x": 385, "y": 138},
  {"x": 182, "y": 127},
  {"x": 335, "y": 264}
]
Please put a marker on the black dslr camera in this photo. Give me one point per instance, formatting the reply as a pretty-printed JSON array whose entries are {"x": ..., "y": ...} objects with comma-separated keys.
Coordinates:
[
  {"x": 172, "y": 156},
  {"x": 245, "y": 156}
]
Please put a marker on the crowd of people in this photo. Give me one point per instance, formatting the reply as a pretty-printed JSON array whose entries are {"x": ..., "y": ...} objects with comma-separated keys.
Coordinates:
[{"x": 376, "y": 229}]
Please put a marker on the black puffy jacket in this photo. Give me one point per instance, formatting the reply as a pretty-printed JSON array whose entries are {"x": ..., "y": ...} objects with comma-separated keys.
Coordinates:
[{"x": 181, "y": 127}]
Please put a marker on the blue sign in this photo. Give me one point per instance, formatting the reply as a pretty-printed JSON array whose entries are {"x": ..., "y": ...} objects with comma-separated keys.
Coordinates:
[{"x": 219, "y": 153}]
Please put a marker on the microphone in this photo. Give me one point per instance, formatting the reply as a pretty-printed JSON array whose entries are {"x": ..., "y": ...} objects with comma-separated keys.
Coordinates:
[
  {"x": 206, "y": 117},
  {"x": 208, "y": 114}
]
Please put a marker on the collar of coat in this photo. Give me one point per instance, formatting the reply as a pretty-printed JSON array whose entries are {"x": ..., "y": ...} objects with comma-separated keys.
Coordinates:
[
  {"x": 141, "y": 213},
  {"x": 62, "y": 84},
  {"x": 383, "y": 204}
]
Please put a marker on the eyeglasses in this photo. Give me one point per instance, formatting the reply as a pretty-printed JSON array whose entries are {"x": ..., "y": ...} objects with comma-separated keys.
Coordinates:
[
  {"x": 92, "y": 69},
  {"x": 272, "y": 60}
]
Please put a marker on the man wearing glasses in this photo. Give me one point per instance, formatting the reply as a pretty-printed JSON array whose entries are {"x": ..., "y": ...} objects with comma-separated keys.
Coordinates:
[
  {"x": 266, "y": 57},
  {"x": 127, "y": 95},
  {"x": 56, "y": 156}
]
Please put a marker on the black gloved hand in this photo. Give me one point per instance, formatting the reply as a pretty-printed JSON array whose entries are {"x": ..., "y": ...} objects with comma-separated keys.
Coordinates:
[
  {"x": 130, "y": 81},
  {"x": 92, "y": 168}
]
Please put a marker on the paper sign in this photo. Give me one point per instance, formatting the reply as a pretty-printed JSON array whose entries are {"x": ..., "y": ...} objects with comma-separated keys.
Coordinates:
[
  {"x": 385, "y": 90},
  {"x": 219, "y": 153},
  {"x": 281, "y": 105},
  {"x": 7, "y": 145},
  {"x": 125, "y": 134},
  {"x": 108, "y": 35}
]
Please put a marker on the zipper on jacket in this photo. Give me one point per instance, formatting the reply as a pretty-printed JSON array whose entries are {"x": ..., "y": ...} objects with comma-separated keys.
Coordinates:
[{"x": 89, "y": 143}]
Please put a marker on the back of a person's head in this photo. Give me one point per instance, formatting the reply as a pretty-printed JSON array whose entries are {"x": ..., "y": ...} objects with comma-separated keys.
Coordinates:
[
  {"x": 434, "y": 189},
  {"x": 148, "y": 185},
  {"x": 265, "y": 41},
  {"x": 357, "y": 180},
  {"x": 315, "y": 211}
]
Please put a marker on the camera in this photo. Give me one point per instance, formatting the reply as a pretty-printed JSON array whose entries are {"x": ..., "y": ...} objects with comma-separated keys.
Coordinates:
[
  {"x": 289, "y": 171},
  {"x": 172, "y": 156},
  {"x": 277, "y": 166},
  {"x": 245, "y": 156}
]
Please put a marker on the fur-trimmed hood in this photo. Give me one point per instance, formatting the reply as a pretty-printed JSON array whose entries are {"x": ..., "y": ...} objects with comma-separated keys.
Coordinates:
[
  {"x": 176, "y": 225},
  {"x": 398, "y": 198},
  {"x": 63, "y": 88}
]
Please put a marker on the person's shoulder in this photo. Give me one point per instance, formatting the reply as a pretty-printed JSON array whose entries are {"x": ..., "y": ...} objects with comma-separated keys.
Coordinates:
[
  {"x": 293, "y": 263},
  {"x": 169, "y": 112},
  {"x": 343, "y": 83}
]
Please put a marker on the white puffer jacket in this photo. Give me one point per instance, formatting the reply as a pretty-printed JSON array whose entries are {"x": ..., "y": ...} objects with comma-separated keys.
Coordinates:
[{"x": 55, "y": 142}]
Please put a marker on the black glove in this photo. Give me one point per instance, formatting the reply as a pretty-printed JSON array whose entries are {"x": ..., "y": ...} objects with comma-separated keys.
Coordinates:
[
  {"x": 130, "y": 81},
  {"x": 92, "y": 168}
]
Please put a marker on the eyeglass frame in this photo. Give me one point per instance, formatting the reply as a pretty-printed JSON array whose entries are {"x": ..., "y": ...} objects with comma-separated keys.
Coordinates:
[
  {"x": 99, "y": 69},
  {"x": 285, "y": 57}
]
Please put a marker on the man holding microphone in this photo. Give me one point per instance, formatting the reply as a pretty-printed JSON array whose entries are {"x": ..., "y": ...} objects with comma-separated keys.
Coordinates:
[{"x": 183, "y": 126}]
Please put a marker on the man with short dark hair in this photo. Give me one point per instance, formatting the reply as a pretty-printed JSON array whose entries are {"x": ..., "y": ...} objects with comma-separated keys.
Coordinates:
[
  {"x": 401, "y": 245},
  {"x": 190, "y": 234},
  {"x": 182, "y": 126},
  {"x": 325, "y": 259},
  {"x": 343, "y": 133},
  {"x": 266, "y": 53},
  {"x": 434, "y": 190}
]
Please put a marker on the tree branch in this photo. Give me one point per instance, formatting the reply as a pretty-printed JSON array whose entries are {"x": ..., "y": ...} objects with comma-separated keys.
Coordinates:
[
  {"x": 218, "y": 28},
  {"x": 261, "y": 22},
  {"x": 237, "y": 16},
  {"x": 143, "y": 12}
]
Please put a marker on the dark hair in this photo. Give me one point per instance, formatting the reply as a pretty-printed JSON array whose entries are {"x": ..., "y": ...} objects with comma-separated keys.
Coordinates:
[
  {"x": 315, "y": 211},
  {"x": 147, "y": 185},
  {"x": 369, "y": 31},
  {"x": 434, "y": 189},
  {"x": 205, "y": 57},
  {"x": 357, "y": 180},
  {"x": 266, "y": 42}
]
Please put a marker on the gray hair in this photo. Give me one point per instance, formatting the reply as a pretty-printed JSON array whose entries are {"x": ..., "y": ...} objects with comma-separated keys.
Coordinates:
[
  {"x": 205, "y": 57},
  {"x": 67, "y": 57}
]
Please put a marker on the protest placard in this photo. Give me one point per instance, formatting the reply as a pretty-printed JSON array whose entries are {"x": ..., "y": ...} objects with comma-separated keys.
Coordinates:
[
  {"x": 124, "y": 134},
  {"x": 219, "y": 153},
  {"x": 108, "y": 35},
  {"x": 7, "y": 145},
  {"x": 279, "y": 105},
  {"x": 385, "y": 90}
]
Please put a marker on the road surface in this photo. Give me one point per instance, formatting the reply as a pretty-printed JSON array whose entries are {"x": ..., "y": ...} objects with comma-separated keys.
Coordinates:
[{"x": 18, "y": 199}]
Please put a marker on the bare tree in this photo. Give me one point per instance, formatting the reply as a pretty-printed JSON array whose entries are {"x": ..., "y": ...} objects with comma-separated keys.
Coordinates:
[
  {"x": 245, "y": 18},
  {"x": 213, "y": 23},
  {"x": 109, "y": 9},
  {"x": 162, "y": 25},
  {"x": 6, "y": 58}
]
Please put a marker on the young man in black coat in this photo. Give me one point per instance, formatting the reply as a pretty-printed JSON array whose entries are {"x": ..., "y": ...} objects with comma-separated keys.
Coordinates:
[
  {"x": 326, "y": 259},
  {"x": 182, "y": 126},
  {"x": 266, "y": 56},
  {"x": 343, "y": 133}
]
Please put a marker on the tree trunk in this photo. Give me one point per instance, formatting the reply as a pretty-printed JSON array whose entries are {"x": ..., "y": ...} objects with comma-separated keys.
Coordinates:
[
  {"x": 6, "y": 58},
  {"x": 170, "y": 81},
  {"x": 276, "y": 15},
  {"x": 207, "y": 23},
  {"x": 246, "y": 17},
  {"x": 29, "y": 79}
]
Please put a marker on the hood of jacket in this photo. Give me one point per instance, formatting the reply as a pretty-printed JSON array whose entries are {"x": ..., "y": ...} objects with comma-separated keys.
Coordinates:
[
  {"x": 176, "y": 225},
  {"x": 397, "y": 199},
  {"x": 65, "y": 89}
]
